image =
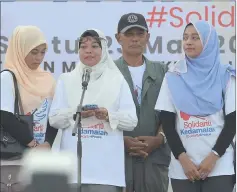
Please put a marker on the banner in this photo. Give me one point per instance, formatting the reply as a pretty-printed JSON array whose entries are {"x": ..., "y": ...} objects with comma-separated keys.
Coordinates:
[{"x": 63, "y": 22}]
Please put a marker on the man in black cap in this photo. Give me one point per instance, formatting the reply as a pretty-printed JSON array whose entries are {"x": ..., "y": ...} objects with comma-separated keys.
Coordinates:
[{"x": 147, "y": 153}]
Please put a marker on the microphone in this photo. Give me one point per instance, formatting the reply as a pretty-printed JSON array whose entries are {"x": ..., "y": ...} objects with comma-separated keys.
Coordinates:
[{"x": 86, "y": 76}]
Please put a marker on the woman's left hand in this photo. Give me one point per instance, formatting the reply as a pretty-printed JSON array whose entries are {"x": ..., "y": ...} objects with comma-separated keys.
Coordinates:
[
  {"x": 44, "y": 145},
  {"x": 207, "y": 165},
  {"x": 101, "y": 113}
]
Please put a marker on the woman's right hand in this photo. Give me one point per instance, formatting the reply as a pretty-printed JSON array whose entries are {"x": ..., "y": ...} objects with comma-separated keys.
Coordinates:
[
  {"x": 190, "y": 169},
  {"x": 88, "y": 113},
  {"x": 32, "y": 144}
]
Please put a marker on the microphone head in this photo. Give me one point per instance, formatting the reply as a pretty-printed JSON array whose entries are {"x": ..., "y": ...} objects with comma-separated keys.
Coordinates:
[{"x": 84, "y": 84}]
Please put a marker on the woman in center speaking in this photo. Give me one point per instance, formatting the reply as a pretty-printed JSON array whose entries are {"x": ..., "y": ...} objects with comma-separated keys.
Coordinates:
[{"x": 102, "y": 128}]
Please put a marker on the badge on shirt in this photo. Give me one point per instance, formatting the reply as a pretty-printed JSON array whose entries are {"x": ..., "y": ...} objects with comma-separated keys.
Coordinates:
[{"x": 138, "y": 93}]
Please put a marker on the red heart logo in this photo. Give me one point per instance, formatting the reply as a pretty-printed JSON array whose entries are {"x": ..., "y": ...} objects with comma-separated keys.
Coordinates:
[{"x": 184, "y": 116}]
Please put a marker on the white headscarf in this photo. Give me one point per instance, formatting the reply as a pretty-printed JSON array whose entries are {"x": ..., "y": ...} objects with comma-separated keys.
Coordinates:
[
  {"x": 104, "y": 85},
  {"x": 105, "y": 62}
]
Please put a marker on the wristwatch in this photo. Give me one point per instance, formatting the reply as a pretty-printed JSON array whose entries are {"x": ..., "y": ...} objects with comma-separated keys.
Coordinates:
[
  {"x": 215, "y": 153},
  {"x": 164, "y": 137}
]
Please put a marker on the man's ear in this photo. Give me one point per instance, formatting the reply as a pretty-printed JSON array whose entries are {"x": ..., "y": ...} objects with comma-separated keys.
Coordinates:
[
  {"x": 148, "y": 37},
  {"x": 117, "y": 36}
]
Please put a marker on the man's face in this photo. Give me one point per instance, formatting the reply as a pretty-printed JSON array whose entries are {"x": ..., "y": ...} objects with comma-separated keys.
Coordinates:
[{"x": 133, "y": 41}]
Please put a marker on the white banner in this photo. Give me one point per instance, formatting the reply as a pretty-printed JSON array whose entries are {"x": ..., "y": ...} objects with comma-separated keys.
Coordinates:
[{"x": 63, "y": 22}]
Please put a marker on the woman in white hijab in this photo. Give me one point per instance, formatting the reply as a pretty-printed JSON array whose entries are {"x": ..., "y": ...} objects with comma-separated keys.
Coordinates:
[{"x": 102, "y": 128}]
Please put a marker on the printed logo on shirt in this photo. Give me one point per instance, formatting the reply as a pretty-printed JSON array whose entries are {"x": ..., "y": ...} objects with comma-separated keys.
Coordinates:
[
  {"x": 39, "y": 131},
  {"x": 195, "y": 126},
  {"x": 40, "y": 122},
  {"x": 138, "y": 93},
  {"x": 96, "y": 131}
]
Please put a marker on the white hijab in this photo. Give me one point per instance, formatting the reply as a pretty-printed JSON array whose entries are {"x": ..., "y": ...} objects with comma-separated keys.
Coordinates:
[
  {"x": 105, "y": 62},
  {"x": 104, "y": 85}
]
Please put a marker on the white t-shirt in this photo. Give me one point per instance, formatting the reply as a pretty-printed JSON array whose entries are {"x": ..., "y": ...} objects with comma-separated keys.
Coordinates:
[
  {"x": 102, "y": 148},
  {"x": 7, "y": 104},
  {"x": 199, "y": 134},
  {"x": 137, "y": 76}
]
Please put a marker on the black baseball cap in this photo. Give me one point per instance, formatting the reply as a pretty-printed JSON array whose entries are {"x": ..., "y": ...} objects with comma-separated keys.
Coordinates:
[{"x": 131, "y": 20}]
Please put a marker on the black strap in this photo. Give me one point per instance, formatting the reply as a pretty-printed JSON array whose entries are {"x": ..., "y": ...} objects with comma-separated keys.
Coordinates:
[
  {"x": 21, "y": 111},
  {"x": 17, "y": 93}
]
